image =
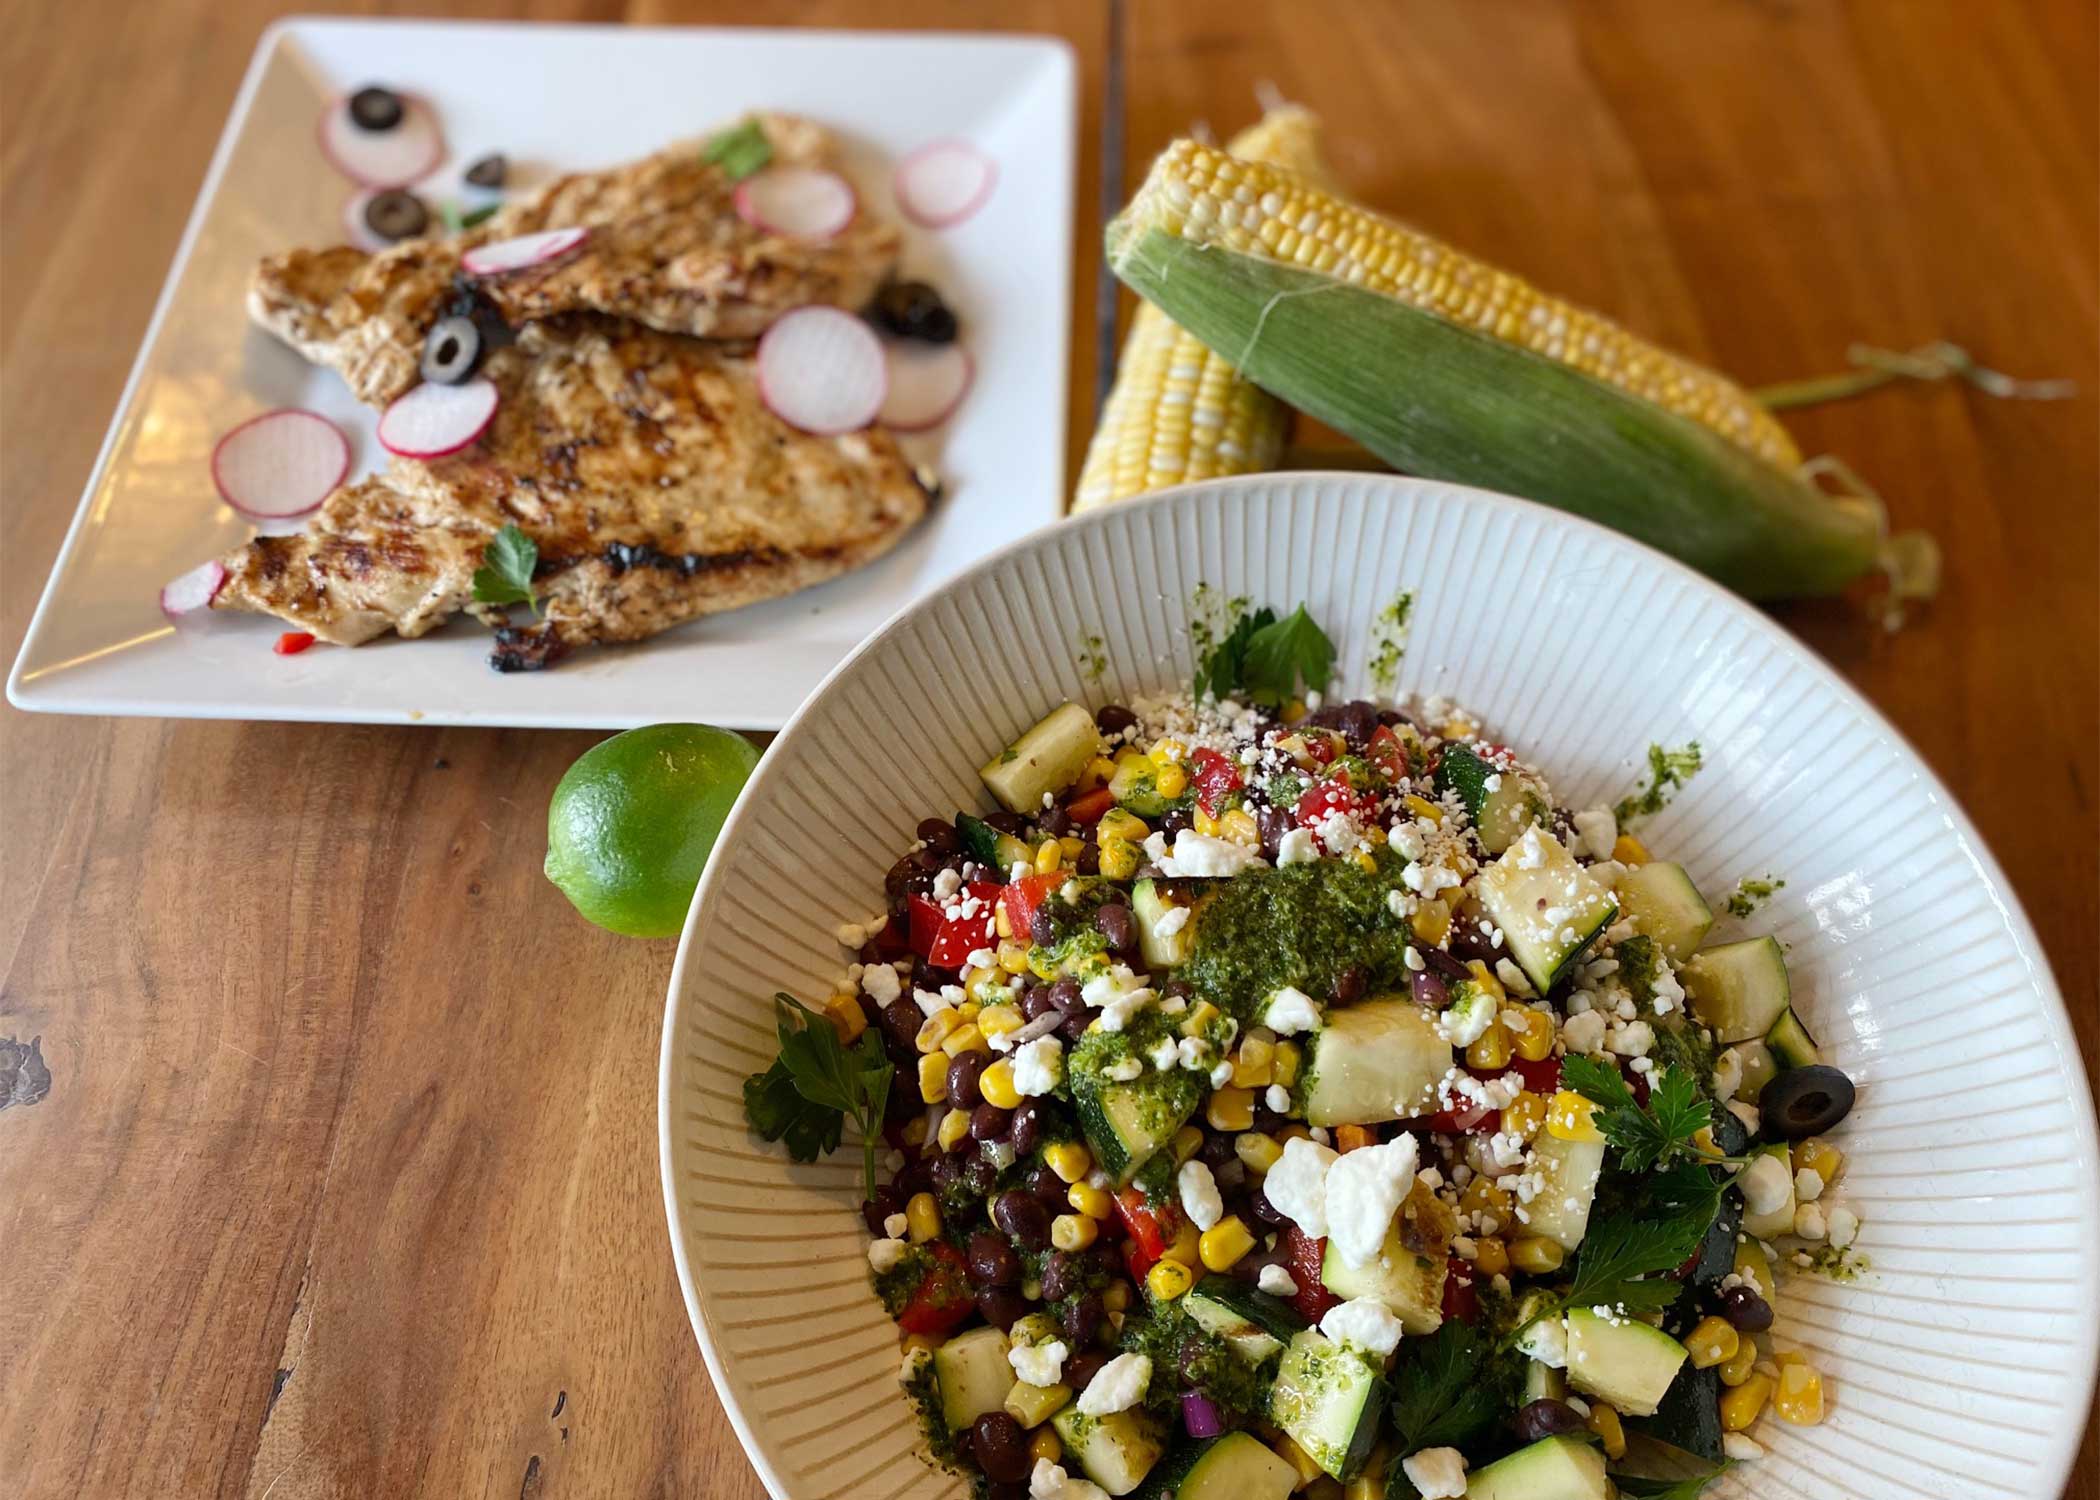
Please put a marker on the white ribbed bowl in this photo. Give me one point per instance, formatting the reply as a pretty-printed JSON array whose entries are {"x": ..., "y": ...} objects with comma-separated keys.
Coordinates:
[{"x": 1960, "y": 1367}]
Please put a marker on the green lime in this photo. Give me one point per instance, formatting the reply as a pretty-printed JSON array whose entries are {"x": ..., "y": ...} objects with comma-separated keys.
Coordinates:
[{"x": 630, "y": 826}]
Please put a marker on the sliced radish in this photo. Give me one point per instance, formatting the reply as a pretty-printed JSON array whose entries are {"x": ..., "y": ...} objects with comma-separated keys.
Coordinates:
[
  {"x": 804, "y": 203},
  {"x": 193, "y": 590},
  {"x": 499, "y": 256},
  {"x": 944, "y": 183},
  {"x": 383, "y": 158},
  {"x": 433, "y": 420},
  {"x": 821, "y": 370},
  {"x": 927, "y": 382},
  {"x": 281, "y": 464}
]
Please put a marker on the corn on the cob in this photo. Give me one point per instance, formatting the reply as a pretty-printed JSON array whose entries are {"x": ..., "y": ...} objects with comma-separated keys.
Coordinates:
[
  {"x": 1451, "y": 369},
  {"x": 1177, "y": 411}
]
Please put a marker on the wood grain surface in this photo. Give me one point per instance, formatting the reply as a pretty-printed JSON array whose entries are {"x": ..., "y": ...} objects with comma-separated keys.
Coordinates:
[{"x": 346, "y": 1181}]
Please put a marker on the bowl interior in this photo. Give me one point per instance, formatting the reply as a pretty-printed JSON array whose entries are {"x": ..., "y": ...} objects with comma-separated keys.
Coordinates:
[{"x": 1961, "y": 1363}]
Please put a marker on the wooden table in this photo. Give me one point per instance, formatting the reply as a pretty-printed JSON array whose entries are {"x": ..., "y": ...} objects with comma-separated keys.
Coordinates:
[{"x": 346, "y": 1181}]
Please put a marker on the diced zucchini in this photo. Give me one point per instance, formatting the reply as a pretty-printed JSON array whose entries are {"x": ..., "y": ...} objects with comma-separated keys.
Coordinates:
[
  {"x": 1623, "y": 1361},
  {"x": 1501, "y": 812},
  {"x": 1328, "y": 1397},
  {"x": 1663, "y": 904},
  {"x": 1542, "y": 1382},
  {"x": 1237, "y": 1466},
  {"x": 1779, "y": 1219},
  {"x": 1790, "y": 1043},
  {"x": 1149, "y": 902},
  {"x": 974, "y": 1376},
  {"x": 1253, "y": 1324},
  {"x": 1549, "y": 908},
  {"x": 1554, "y": 1468},
  {"x": 1115, "y": 1451},
  {"x": 1410, "y": 1284},
  {"x": 1126, "y": 1124},
  {"x": 1044, "y": 761},
  {"x": 1567, "y": 1172},
  {"x": 1689, "y": 1418},
  {"x": 1739, "y": 989},
  {"x": 1380, "y": 1059},
  {"x": 1033, "y": 1405}
]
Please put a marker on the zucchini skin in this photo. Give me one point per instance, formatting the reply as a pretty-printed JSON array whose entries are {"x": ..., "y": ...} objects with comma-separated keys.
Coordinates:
[{"x": 1501, "y": 417}]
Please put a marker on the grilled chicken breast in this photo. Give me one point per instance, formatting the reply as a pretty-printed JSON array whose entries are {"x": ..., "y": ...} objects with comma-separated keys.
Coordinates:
[
  {"x": 667, "y": 249},
  {"x": 655, "y": 484}
]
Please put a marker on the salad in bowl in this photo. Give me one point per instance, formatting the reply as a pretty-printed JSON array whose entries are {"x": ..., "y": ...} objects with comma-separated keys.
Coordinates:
[{"x": 1265, "y": 1093}]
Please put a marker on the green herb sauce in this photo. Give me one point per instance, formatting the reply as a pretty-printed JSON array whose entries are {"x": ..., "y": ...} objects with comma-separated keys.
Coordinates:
[
  {"x": 1389, "y": 640},
  {"x": 1749, "y": 895},
  {"x": 1668, "y": 770}
]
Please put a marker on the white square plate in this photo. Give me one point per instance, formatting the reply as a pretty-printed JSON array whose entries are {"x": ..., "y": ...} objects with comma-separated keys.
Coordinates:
[{"x": 557, "y": 98}]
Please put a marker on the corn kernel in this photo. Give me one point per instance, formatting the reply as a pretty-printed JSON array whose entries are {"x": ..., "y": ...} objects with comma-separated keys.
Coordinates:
[
  {"x": 1167, "y": 1280},
  {"x": 996, "y": 1084},
  {"x": 1230, "y": 1109},
  {"x": 1536, "y": 1254},
  {"x": 1524, "y": 1115},
  {"x": 1288, "y": 1056},
  {"x": 1570, "y": 1117},
  {"x": 1741, "y": 1407},
  {"x": 1119, "y": 860},
  {"x": 1737, "y": 1367},
  {"x": 1255, "y": 1067},
  {"x": 1115, "y": 1297},
  {"x": 1097, "y": 773},
  {"x": 1256, "y": 1152},
  {"x": 1170, "y": 781},
  {"x": 1121, "y": 823},
  {"x": 1458, "y": 727},
  {"x": 1043, "y": 1446},
  {"x": 1166, "y": 751},
  {"x": 1483, "y": 1195},
  {"x": 1072, "y": 845},
  {"x": 1535, "y": 1041},
  {"x": 1715, "y": 1341},
  {"x": 1431, "y": 922},
  {"x": 914, "y": 1132},
  {"x": 1799, "y": 1398},
  {"x": 1188, "y": 1140},
  {"x": 935, "y": 1028},
  {"x": 966, "y": 1038},
  {"x": 1073, "y": 1231},
  {"x": 1628, "y": 850},
  {"x": 1001, "y": 923},
  {"x": 1238, "y": 826},
  {"x": 955, "y": 1129},
  {"x": 1204, "y": 823},
  {"x": 933, "y": 1078},
  {"x": 1704, "y": 1143},
  {"x": 1048, "y": 857},
  {"x": 1041, "y": 965},
  {"x": 846, "y": 1017},
  {"x": 1069, "y": 1160},
  {"x": 1491, "y": 1049},
  {"x": 1349, "y": 1138},
  {"x": 1751, "y": 1265},
  {"x": 1365, "y": 862},
  {"x": 1490, "y": 1255},
  {"x": 1199, "y": 1019},
  {"x": 1295, "y": 1131},
  {"x": 1484, "y": 977},
  {"x": 1094, "y": 1202},
  {"x": 914, "y": 1343},
  {"x": 922, "y": 1218},
  {"x": 1186, "y": 1246},
  {"x": 1308, "y": 1469},
  {"x": 1223, "y": 1244},
  {"x": 1604, "y": 1421},
  {"x": 1422, "y": 807},
  {"x": 1820, "y": 1157},
  {"x": 998, "y": 1020}
]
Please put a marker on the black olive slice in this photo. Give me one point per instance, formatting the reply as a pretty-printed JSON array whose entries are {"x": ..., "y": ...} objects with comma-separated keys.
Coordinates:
[
  {"x": 396, "y": 214},
  {"x": 374, "y": 108},
  {"x": 1802, "y": 1102},
  {"x": 451, "y": 350}
]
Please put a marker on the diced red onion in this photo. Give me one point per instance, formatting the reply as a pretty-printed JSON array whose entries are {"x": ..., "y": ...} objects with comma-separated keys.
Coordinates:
[{"x": 1200, "y": 1415}]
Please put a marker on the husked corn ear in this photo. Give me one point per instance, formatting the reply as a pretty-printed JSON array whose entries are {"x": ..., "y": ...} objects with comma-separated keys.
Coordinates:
[{"x": 1178, "y": 411}]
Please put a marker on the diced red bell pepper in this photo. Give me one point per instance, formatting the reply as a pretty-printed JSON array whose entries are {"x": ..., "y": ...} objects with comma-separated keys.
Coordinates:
[
  {"x": 1324, "y": 745},
  {"x": 1086, "y": 808},
  {"x": 1216, "y": 778},
  {"x": 1303, "y": 1256},
  {"x": 1387, "y": 753},
  {"x": 1461, "y": 1301},
  {"x": 1322, "y": 800},
  {"x": 946, "y": 941},
  {"x": 292, "y": 642},
  {"x": 1023, "y": 897},
  {"x": 942, "y": 1298},
  {"x": 1460, "y": 1119},
  {"x": 1151, "y": 1227},
  {"x": 893, "y": 941}
]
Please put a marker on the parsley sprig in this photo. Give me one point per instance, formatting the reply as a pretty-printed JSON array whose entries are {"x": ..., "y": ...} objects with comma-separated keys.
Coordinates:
[
  {"x": 817, "y": 1084},
  {"x": 1653, "y": 1137},
  {"x": 1444, "y": 1390},
  {"x": 1264, "y": 659},
  {"x": 739, "y": 150},
  {"x": 507, "y": 565}
]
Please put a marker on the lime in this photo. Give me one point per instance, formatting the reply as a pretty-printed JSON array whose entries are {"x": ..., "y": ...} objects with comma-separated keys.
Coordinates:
[{"x": 631, "y": 824}]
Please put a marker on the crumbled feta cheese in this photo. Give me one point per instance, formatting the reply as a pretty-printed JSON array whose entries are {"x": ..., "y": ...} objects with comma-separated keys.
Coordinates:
[
  {"x": 1171, "y": 921},
  {"x": 1630, "y": 1039},
  {"x": 1221, "y": 1075},
  {"x": 1365, "y": 1322},
  {"x": 981, "y": 958},
  {"x": 1278, "y": 1098},
  {"x": 1596, "y": 831},
  {"x": 945, "y": 885},
  {"x": 1669, "y": 994},
  {"x": 1530, "y": 850},
  {"x": 1412, "y": 957},
  {"x": 1364, "y": 1191},
  {"x": 1765, "y": 1184},
  {"x": 1513, "y": 978},
  {"x": 1116, "y": 1386},
  {"x": 1164, "y": 1053},
  {"x": 851, "y": 934},
  {"x": 1809, "y": 1222},
  {"x": 879, "y": 982},
  {"x": 1396, "y": 902},
  {"x": 1124, "y": 1070},
  {"x": 1040, "y": 1364},
  {"x": 1728, "y": 1073},
  {"x": 894, "y": 1226},
  {"x": 1408, "y": 840},
  {"x": 884, "y": 1255},
  {"x": 1199, "y": 1195},
  {"x": 1547, "y": 1342},
  {"x": 1741, "y": 1447},
  {"x": 1426, "y": 880},
  {"x": 1752, "y": 1120},
  {"x": 1808, "y": 1185},
  {"x": 1038, "y": 1066},
  {"x": 1297, "y": 848},
  {"x": 1276, "y": 1281},
  {"x": 1296, "y": 1186},
  {"x": 1584, "y": 1034},
  {"x": 1843, "y": 1224},
  {"x": 1468, "y": 1018},
  {"x": 1199, "y": 856},
  {"x": 1290, "y": 1011},
  {"x": 1437, "y": 1473},
  {"x": 1049, "y": 1481}
]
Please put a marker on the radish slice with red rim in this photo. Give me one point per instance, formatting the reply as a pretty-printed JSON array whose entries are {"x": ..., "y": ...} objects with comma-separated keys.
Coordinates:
[
  {"x": 821, "y": 370},
  {"x": 927, "y": 382},
  {"x": 500, "y": 256},
  {"x": 945, "y": 183},
  {"x": 804, "y": 203},
  {"x": 383, "y": 158},
  {"x": 281, "y": 464},
  {"x": 193, "y": 590},
  {"x": 433, "y": 420}
]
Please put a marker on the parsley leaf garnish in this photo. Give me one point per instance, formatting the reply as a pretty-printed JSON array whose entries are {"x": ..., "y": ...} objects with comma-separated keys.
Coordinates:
[
  {"x": 1621, "y": 1253},
  {"x": 505, "y": 574},
  {"x": 1652, "y": 1137},
  {"x": 739, "y": 150},
  {"x": 1667, "y": 770},
  {"x": 1218, "y": 675},
  {"x": 1443, "y": 1391},
  {"x": 474, "y": 217},
  {"x": 1264, "y": 659},
  {"x": 816, "y": 1084}
]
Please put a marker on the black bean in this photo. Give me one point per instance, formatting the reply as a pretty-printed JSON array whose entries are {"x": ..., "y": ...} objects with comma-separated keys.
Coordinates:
[
  {"x": 1022, "y": 1219},
  {"x": 1042, "y": 927},
  {"x": 1082, "y": 1319},
  {"x": 1118, "y": 926},
  {"x": 1048, "y": 1188},
  {"x": 963, "y": 1074},
  {"x": 924, "y": 976},
  {"x": 915, "y": 1176},
  {"x": 947, "y": 1173},
  {"x": 1258, "y": 1204},
  {"x": 1082, "y": 1367},
  {"x": 1036, "y": 1002},
  {"x": 901, "y": 1020},
  {"x": 1358, "y": 721},
  {"x": 997, "y": 1491},
  {"x": 1027, "y": 1128},
  {"x": 988, "y": 1122},
  {"x": 1349, "y": 985},
  {"x": 1274, "y": 823},
  {"x": 1056, "y": 822},
  {"x": 880, "y": 1207},
  {"x": 1179, "y": 989},
  {"x": 1429, "y": 989},
  {"x": 1195, "y": 1363},
  {"x": 1000, "y": 1448},
  {"x": 1001, "y": 1306},
  {"x": 1113, "y": 718},
  {"x": 1089, "y": 860},
  {"x": 1216, "y": 1150},
  {"x": 1075, "y": 1026},
  {"x": 1006, "y": 822},
  {"x": 992, "y": 1261},
  {"x": 928, "y": 859},
  {"x": 1545, "y": 1418},
  {"x": 1173, "y": 821},
  {"x": 1065, "y": 995},
  {"x": 1061, "y": 1276},
  {"x": 980, "y": 1175},
  {"x": 1746, "y": 1310},
  {"x": 1444, "y": 964},
  {"x": 939, "y": 833}
]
